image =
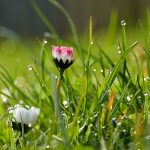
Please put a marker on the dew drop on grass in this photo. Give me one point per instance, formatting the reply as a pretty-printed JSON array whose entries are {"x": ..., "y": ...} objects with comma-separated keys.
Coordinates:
[
  {"x": 145, "y": 94},
  {"x": 147, "y": 137},
  {"x": 29, "y": 125},
  {"x": 109, "y": 71},
  {"x": 78, "y": 121},
  {"x": 91, "y": 118},
  {"x": 95, "y": 115},
  {"x": 119, "y": 50},
  {"x": 91, "y": 42},
  {"x": 65, "y": 103},
  {"x": 4, "y": 99},
  {"x": 102, "y": 70},
  {"x": 128, "y": 98},
  {"x": 45, "y": 42},
  {"x": 103, "y": 127},
  {"x": 47, "y": 146},
  {"x": 30, "y": 68},
  {"x": 94, "y": 70},
  {"x": 63, "y": 114},
  {"x": 56, "y": 77},
  {"x": 10, "y": 109},
  {"x": 123, "y": 23},
  {"x": 131, "y": 96},
  {"x": 91, "y": 125},
  {"x": 131, "y": 75}
]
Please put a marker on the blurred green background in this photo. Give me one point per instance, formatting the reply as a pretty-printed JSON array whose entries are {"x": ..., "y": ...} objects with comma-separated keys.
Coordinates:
[{"x": 21, "y": 27}]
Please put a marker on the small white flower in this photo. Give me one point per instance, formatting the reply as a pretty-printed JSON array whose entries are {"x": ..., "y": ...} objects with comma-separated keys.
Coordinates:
[{"x": 25, "y": 116}]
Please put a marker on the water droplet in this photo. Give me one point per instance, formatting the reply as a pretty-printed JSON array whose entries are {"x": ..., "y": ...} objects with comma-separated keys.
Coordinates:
[
  {"x": 109, "y": 71},
  {"x": 102, "y": 70},
  {"x": 123, "y": 23},
  {"x": 131, "y": 75},
  {"x": 131, "y": 96},
  {"x": 65, "y": 103},
  {"x": 119, "y": 50},
  {"x": 145, "y": 94},
  {"x": 91, "y": 125},
  {"x": 146, "y": 78},
  {"x": 85, "y": 69},
  {"x": 128, "y": 98},
  {"x": 29, "y": 125},
  {"x": 91, "y": 118},
  {"x": 63, "y": 114},
  {"x": 134, "y": 132},
  {"x": 94, "y": 70},
  {"x": 78, "y": 121},
  {"x": 147, "y": 137},
  {"x": 92, "y": 42},
  {"x": 95, "y": 115},
  {"x": 47, "y": 146},
  {"x": 95, "y": 134},
  {"x": 103, "y": 127},
  {"x": 30, "y": 67},
  {"x": 45, "y": 42}
]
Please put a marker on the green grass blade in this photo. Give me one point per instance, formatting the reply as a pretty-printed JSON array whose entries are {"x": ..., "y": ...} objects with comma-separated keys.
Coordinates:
[
  {"x": 45, "y": 20},
  {"x": 106, "y": 85},
  {"x": 112, "y": 29}
]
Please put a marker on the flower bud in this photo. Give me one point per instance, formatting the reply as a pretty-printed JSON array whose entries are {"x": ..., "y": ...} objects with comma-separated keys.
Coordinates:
[{"x": 62, "y": 56}]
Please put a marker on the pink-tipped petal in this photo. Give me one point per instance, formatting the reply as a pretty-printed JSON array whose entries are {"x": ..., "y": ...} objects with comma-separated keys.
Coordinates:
[{"x": 63, "y": 55}]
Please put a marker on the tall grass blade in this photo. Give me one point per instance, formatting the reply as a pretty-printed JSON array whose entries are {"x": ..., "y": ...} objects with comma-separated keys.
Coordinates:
[
  {"x": 108, "y": 81},
  {"x": 112, "y": 29},
  {"x": 45, "y": 20}
]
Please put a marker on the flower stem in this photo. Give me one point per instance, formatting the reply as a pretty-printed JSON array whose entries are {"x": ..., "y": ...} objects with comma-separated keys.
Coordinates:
[
  {"x": 58, "y": 112},
  {"x": 61, "y": 71}
]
